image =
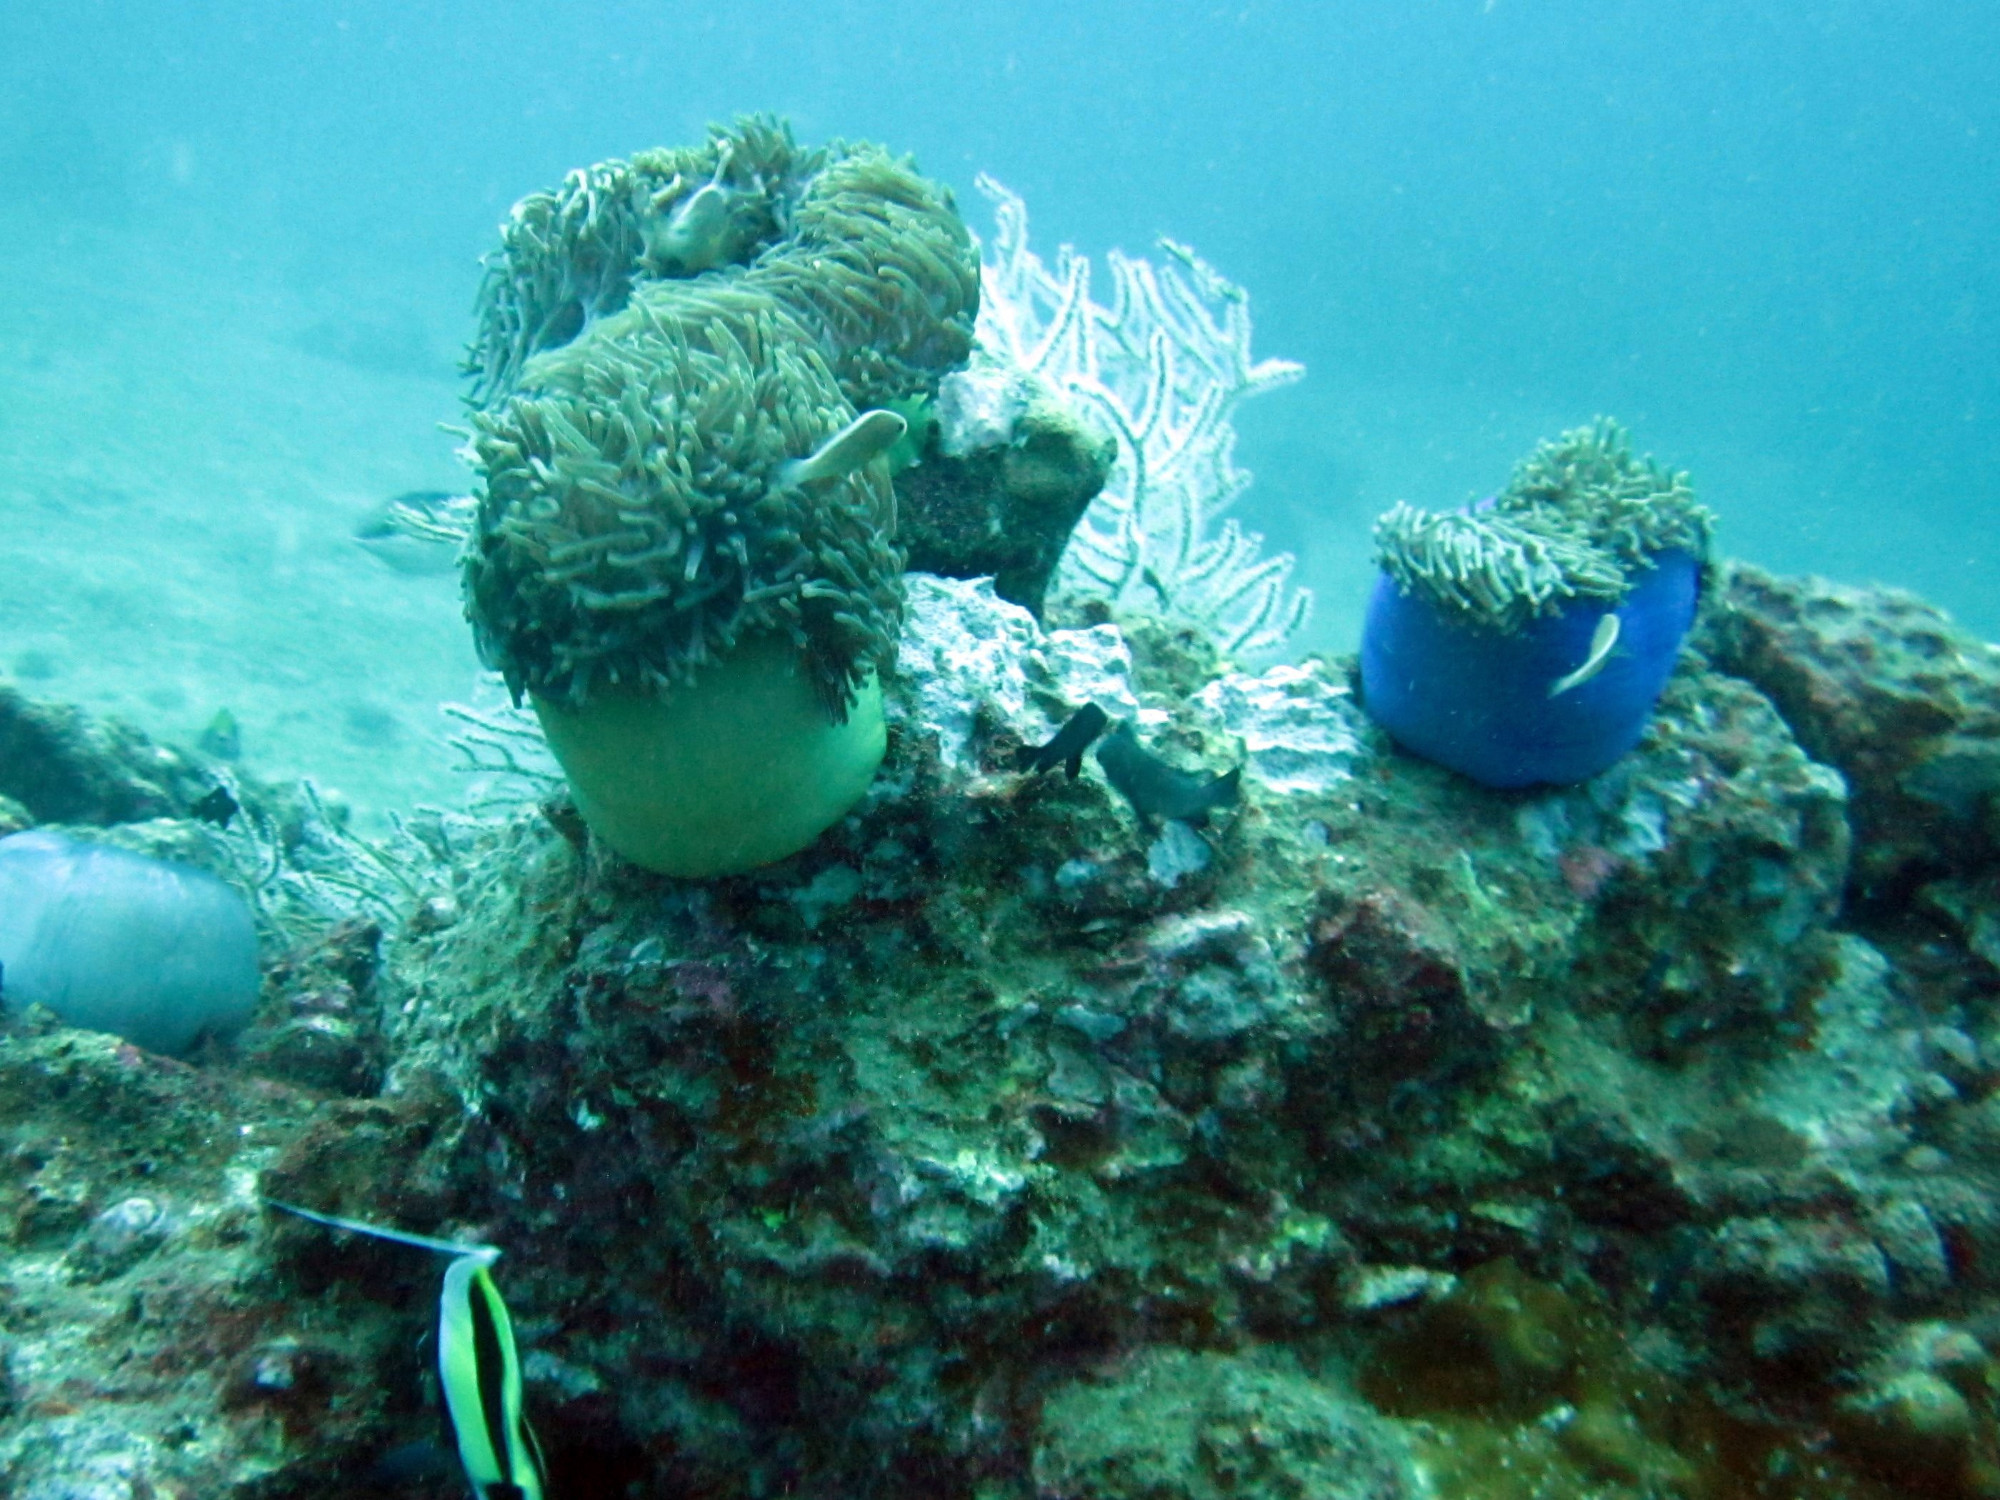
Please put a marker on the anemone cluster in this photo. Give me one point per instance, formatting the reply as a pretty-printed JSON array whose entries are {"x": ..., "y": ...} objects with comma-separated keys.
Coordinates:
[
  {"x": 1581, "y": 518},
  {"x": 573, "y": 254},
  {"x": 658, "y": 340}
]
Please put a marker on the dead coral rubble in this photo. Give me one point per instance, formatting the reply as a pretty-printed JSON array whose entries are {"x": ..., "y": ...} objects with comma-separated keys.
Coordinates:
[
  {"x": 61, "y": 766},
  {"x": 1573, "y": 1142}
]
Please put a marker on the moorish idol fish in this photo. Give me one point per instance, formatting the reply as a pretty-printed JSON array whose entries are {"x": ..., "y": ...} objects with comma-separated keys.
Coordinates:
[{"x": 478, "y": 1364}]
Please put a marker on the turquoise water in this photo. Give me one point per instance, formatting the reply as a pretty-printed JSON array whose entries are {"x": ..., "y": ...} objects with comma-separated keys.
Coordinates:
[{"x": 238, "y": 248}]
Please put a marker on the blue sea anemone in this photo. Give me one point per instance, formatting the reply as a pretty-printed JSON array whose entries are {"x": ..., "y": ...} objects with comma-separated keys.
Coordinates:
[{"x": 1525, "y": 641}]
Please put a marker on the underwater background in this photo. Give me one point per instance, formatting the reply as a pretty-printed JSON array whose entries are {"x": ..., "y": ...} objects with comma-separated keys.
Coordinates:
[
  {"x": 239, "y": 244},
  {"x": 953, "y": 986}
]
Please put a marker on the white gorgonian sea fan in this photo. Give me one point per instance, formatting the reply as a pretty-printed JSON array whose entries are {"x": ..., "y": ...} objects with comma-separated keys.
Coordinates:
[{"x": 1164, "y": 365}]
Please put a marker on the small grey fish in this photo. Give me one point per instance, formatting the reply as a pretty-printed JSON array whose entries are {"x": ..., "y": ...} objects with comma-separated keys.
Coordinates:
[
  {"x": 1157, "y": 790},
  {"x": 1067, "y": 748},
  {"x": 1602, "y": 641},
  {"x": 419, "y": 531},
  {"x": 856, "y": 445}
]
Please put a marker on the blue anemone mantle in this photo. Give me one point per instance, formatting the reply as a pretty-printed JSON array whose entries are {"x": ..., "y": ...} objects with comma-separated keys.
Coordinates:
[{"x": 1476, "y": 698}]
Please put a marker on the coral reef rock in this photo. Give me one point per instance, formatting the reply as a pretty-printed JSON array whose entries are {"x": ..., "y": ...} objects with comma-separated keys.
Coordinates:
[
  {"x": 1008, "y": 469},
  {"x": 1886, "y": 689},
  {"x": 1205, "y": 1426},
  {"x": 1386, "y": 1136},
  {"x": 59, "y": 766}
]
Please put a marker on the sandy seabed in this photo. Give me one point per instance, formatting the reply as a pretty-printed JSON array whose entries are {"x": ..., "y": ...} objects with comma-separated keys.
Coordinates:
[{"x": 185, "y": 451}]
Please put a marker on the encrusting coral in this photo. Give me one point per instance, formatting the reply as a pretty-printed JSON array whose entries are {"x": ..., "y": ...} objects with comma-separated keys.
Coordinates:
[
  {"x": 672, "y": 358},
  {"x": 1007, "y": 466}
]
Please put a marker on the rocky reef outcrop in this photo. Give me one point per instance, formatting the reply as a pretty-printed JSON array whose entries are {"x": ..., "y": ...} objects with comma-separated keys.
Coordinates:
[
  {"x": 1385, "y": 1136},
  {"x": 1883, "y": 687}
]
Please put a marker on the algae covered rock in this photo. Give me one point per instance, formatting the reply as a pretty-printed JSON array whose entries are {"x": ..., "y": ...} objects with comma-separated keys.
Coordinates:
[
  {"x": 324, "y": 1028},
  {"x": 1008, "y": 470},
  {"x": 948, "y": 1090},
  {"x": 1567, "y": 1142},
  {"x": 1173, "y": 1425},
  {"x": 1894, "y": 695},
  {"x": 1744, "y": 845},
  {"x": 129, "y": 1275},
  {"x": 59, "y": 765}
]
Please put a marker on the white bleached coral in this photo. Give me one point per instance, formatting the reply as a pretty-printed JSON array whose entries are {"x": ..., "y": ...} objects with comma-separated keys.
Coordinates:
[{"x": 1164, "y": 366}]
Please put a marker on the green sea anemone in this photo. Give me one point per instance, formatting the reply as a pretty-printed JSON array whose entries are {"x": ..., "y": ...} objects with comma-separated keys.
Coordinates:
[
  {"x": 685, "y": 546},
  {"x": 574, "y": 254},
  {"x": 1525, "y": 641},
  {"x": 633, "y": 528},
  {"x": 738, "y": 767},
  {"x": 881, "y": 262}
]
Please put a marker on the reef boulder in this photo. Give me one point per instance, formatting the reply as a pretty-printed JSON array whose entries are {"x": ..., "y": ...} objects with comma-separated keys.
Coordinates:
[{"x": 1890, "y": 692}]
